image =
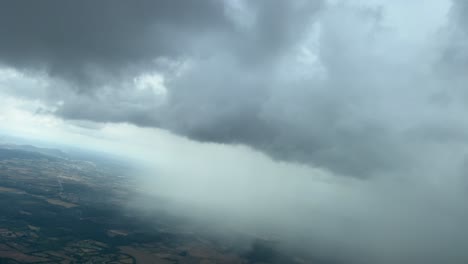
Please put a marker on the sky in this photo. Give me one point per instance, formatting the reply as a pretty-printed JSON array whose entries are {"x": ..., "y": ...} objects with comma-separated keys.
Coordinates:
[{"x": 337, "y": 127}]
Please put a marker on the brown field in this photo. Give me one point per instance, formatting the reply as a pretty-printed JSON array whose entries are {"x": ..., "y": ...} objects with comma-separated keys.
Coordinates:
[
  {"x": 7, "y": 252},
  {"x": 142, "y": 256}
]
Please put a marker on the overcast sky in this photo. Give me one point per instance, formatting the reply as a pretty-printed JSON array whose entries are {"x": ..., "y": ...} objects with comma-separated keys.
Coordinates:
[{"x": 340, "y": 125}]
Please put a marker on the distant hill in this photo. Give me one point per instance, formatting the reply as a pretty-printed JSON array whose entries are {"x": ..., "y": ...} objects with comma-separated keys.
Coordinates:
[
  {"x": 9, "y": 151},
  {"x": 22, "y": 149},
  {"x": 46, "y": 151},
  {"x": 23, "y": 154}
]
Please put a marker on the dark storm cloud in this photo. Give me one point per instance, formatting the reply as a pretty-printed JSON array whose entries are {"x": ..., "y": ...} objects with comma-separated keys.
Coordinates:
[
  {"x": 79, "y": 40},
  {"x": 277, "y": 26},
  {"x": 320, "y": 122},
  {"x": 234, "y": 74},
  {"x": 85, "y": 39}
]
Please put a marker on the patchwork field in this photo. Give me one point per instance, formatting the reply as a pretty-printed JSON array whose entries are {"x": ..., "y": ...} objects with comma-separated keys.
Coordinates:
[{"x": 61, "y": 210}]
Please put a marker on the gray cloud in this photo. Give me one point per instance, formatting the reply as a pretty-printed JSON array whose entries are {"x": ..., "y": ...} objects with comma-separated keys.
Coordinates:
[
  {"x": 418, "y": 216},
  {"x": 327, "y": 85},
  {"x": 454, "y": 59},
  {"x": 82, "y": 40}
]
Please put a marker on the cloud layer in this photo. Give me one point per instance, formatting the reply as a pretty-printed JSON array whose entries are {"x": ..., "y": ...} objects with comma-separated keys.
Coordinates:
[
  {"x": 371, "y": 89},
  {"x": 335, "y": 85}
]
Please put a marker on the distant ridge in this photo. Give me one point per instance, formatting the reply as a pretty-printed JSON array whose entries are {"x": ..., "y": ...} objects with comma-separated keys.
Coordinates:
[{"x": 30, "y": 152}]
